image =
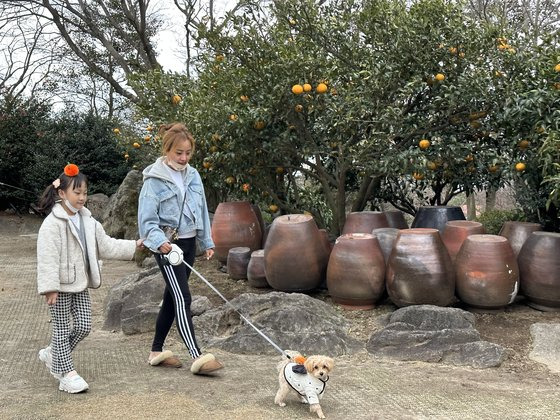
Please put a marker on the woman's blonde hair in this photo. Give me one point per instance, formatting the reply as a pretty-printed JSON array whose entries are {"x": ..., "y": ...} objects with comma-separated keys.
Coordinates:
[{"x": 172, "y": 134}]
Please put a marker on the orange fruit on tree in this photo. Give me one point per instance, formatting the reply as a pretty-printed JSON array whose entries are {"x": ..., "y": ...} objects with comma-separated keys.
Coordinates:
[
  {"x": 259, "y": 125},
  {"x": 321, "y": 88},
  {"x": 216, "y": 137},
  {"x": 462, "y": 54},
  {"x": 116, "y": 131},
  {"x": 245, "y": 187},
  {"x": 520, "y": 166},
  {"x": 493, "y": 168},
  {"x": 273, "y": 208},
  {"x": 136, "y": 145},
  {"x": 307, "y": 87},
  {"x": 424, "y": 144},
  {"x": 431, "y": 165},
  {"x": 453, "y": 50},
  {"x": 279, "y": 170},
  {"x": 540, "y": 129},
  {"x": 219, "y": 58},
  {"x": 417, "y": 176},
  {"x": 297, "y": 89},
  {"x": 298, "y": 108},
  {"x": 439, "y": 77},
  {"x": 469, "y": 158},
  {"x": 523, "y": 144},
  {"x": 233, "y": 117},
  {"x": 147, "y": 138},
  {"x": 149, "y": 128},
  {"x": 126, "y": 156},
  {"x": 557, "y": 67},
  {"x": 230, "y": 180},
  {"x": 206, "y": 164},
  {"x": 213, "y": 149},
  {"x": 176, "y": 99},
  {"x": 244, "y": 98}
]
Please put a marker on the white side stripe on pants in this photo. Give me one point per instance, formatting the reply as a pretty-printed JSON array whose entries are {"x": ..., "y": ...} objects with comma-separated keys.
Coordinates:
[{"x": 182, "y": 323}]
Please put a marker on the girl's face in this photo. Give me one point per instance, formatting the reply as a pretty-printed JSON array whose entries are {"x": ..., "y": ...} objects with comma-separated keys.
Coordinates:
[
  {"x": 74, "y": 197},
  {"x": 180, "y": 155}
]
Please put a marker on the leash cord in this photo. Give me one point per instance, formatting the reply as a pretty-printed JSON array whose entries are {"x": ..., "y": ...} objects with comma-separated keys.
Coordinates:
[{"x": 263, "y": 335}]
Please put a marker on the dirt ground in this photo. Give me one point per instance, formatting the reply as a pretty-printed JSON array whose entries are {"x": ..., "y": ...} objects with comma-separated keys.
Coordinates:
[{"x": 122, "y": 385}]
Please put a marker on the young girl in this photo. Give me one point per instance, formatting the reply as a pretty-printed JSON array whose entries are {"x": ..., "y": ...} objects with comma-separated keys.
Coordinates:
[
  {"x": 172, "y": 202},
  {"x": 69, "y": 243}
]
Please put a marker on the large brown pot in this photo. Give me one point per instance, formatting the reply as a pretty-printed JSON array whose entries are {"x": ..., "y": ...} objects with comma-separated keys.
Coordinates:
[
  {"x": 294, "y": 255},
  {"x": 235, "y": 224},
  {"x": 518, "y": 232},
  {"x": 386, "y": 238},
  {"x": 396, "y": 219},
  {"x": 364, "y": 221},
  {"x": 256, "y": 275},
  {"x": 237, "y": 262},
  {"x": 435, "y": 217},
  {"x": 419, "y": 270},
  {"x": 356, "y": 271},
  {"x": 539, "y": 269},
  {"x": 487, "y": 272},
  {"x": 455, "y": 233}
]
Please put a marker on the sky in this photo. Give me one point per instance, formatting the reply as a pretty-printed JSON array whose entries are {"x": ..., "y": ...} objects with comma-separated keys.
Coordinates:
[{"x": 169, "y": 42}]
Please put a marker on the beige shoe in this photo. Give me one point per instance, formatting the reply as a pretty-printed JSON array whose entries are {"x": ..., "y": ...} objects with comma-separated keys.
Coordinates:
[
  {"x": 160, "y": 357},
  {"x": 205, "y": 364}
]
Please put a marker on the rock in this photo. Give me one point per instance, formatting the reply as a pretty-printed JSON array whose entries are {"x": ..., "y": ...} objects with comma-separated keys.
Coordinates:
[
  {"x": 132, "y": 302},
  {"x": 434, "y": 334},
  {"x": 121, "y": 214},
  {"x": 97, "y": 204},
  {"x": 546, "y": 345},
  {"x": 199, "y": 305},
  {"x": 291, "y": 320}
]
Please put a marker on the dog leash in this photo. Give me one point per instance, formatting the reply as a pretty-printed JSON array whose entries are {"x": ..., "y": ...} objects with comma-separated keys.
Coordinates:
[{"x": 175, "y": 257}]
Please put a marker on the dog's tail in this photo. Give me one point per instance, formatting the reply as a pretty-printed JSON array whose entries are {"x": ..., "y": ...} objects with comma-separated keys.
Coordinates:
[{"x": 285, "y": 361}]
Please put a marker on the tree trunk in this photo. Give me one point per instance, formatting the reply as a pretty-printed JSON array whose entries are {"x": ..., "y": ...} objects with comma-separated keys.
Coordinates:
[
  {"x": 471, "y": 206},
  {"x": 490, "y": 199}
]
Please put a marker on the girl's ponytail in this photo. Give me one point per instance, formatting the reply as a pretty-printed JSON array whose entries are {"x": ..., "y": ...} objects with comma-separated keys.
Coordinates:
[{"x": 48, "y": 199}]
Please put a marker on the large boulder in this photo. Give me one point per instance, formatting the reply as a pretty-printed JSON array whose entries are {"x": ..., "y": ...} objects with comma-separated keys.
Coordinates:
[
  {"x": 434, "y": 334},
  {"x": 291, "y": 320},
  {"x": 546, "y": 345},
  {"x": 120, "y": 217},
  {"x": 97, "y": 204},
  {"x": 132, "y": 305}
]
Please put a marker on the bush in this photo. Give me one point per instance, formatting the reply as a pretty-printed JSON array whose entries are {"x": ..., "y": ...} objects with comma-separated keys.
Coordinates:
[{"x": 494, "y": 219}]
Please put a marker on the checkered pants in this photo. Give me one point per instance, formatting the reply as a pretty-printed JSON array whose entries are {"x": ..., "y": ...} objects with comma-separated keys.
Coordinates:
[{"x": 65, "y": 337}]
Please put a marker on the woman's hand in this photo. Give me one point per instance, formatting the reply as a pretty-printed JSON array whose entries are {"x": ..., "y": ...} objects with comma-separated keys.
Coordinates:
[
  {"x": 51, "y": 297},
  {"x": 209, "y": 253},
  {"x": 165, "y": 248},
  {"x": 140, "y": 243}
]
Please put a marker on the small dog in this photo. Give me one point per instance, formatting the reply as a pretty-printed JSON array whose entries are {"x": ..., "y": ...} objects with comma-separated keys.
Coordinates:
[{"x": 308, "y": 381}]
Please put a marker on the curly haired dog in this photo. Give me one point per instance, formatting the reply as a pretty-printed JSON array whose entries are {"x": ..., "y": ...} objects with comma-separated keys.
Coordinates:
[{"x": 308, "y": 380}]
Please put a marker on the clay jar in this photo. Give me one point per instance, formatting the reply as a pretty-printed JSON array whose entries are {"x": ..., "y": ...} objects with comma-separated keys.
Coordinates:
[
  {"x": 487, "y": 272},
  {"x": 356, "y": 271},
  {"x": 518, "y": 232},
  {"x": 235, "y": 224},
  {"x": 386, "y": 238},
  {"x": 256, "y": 275},
  {"x": 237, "y": 262},
  {"x": 364, "y": 221},
  {"x": 539, "y": 269},
  {"x": 419, "y": 270},
  {"x": 455, "y": 233},
  {"x": 294, "y": 255},
  {"x": 436, "y": 217},
  {"x": 396, "y": 219}
]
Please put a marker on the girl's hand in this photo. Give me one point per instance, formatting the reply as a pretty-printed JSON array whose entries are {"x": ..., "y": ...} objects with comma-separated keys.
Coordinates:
[
  {"x": 209, "y": 253},
  {"x": 165, "y": 248},
  {"x": 140, "y": 243},
  {"x": 51, "y": 297}
]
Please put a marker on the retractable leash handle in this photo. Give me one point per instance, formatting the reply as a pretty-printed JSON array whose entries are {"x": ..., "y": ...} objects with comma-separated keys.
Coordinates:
[{"x": 175, "y": 257}]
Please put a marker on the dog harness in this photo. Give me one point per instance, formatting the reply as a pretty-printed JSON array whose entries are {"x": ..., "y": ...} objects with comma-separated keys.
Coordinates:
[{"x": 305, "y": 384}]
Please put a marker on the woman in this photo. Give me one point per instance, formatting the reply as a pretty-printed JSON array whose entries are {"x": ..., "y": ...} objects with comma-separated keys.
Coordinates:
[{"x": 172, "y": 208}]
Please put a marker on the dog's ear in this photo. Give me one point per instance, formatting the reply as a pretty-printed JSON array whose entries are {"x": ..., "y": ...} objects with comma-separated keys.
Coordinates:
[
  {"x": 330, "y": 363},
  {"x": 309, "y": 363}
]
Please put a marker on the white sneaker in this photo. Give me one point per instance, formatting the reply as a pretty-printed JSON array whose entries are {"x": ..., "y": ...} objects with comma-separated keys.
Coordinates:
[
  {"x": 45, "y": 356},
  {"x": 72, "y": 384}
]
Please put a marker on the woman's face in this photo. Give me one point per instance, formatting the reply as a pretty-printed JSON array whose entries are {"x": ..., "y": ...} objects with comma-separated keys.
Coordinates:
[
  {"x": 76, "y": 196},
  {"x": 180, "y": 155}
]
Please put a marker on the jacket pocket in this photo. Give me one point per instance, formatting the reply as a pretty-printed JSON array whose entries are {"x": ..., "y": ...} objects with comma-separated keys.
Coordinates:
[{"x": 70, "y": 277}]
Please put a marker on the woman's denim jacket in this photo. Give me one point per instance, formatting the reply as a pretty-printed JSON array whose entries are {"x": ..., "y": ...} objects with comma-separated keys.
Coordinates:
[{"x": 160, "y": 205}]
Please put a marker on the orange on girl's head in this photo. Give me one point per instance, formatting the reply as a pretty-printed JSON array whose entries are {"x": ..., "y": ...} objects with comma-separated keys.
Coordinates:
[{"x": 71, "y": 170}]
